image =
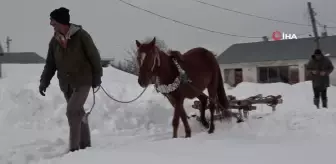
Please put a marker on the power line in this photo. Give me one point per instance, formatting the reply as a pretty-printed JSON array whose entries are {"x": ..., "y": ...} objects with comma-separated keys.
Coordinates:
[
  {"x": 197, "y": 27},
  {"x": 326, "y": 18},
  {"x": 303, "y": 33},
  {"x": 252, "y": 15},
  {"x": 329, "y": 20}
]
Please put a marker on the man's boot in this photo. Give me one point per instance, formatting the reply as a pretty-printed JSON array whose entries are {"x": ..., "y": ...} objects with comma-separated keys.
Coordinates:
[
  {"x": 325, "y": 103},
  {"x": 317, "y": 102}
]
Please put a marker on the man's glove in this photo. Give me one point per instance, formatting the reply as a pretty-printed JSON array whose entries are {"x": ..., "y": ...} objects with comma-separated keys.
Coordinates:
[
  {"x": 42, "y": 89},
  {"x": 96, "y": 81}
]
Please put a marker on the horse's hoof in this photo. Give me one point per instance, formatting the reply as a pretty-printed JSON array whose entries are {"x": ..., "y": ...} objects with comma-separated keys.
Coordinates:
[
  {"x": 205, "y": 124},
  {"x": 239, "y": 121},
  {"x": 211, "y": 130},
  {"x": 188, "y": 135}
]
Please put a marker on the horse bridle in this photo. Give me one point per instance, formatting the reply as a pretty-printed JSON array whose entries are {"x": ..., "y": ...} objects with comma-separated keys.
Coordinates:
[{"x": 156, "y": 61}]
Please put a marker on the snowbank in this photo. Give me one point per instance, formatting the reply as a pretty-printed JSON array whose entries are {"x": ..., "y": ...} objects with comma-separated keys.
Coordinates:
[
  {"x": 24, "y": 111},
  {"x": 35, "y": 127}
]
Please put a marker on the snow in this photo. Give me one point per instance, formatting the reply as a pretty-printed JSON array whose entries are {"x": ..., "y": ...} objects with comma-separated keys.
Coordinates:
[{"x": 34, "y": 128}]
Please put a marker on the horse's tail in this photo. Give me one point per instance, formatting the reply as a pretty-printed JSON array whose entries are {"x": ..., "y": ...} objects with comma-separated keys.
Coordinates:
[{"x": 222, "y": 97}]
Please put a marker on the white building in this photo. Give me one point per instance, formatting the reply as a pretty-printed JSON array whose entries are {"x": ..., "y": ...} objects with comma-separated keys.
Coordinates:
[
  {"x": 13, "y": 63},
  {"x": 273, "y": 61}
]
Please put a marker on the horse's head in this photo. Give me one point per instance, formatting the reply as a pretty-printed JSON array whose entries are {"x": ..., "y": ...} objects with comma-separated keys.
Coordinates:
[{"x": 148, "y": 59}]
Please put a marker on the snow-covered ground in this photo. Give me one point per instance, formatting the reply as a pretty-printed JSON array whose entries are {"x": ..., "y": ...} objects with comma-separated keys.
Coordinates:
[{"x": 34, "y": 128}]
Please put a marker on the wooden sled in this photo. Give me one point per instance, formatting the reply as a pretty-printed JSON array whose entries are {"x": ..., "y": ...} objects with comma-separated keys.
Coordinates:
[{"x": 244, "y": 106}]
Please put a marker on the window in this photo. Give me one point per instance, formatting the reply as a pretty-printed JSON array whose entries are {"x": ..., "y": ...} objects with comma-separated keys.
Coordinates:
[
  {"x": 285, "y": 74},
  {"x": 263, "y": 75},
  {"x": 273, "y": 74}
]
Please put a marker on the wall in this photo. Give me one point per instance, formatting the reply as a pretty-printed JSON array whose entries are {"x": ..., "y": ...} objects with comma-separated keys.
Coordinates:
[
  {"x": 19, "y": 70},
  {"x": 333, "y": 74},
  {"x": 250, "y": 69}
]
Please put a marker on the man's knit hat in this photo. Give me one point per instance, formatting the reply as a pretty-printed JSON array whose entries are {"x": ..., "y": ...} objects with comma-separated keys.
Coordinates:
[
  {"x": 318, "y": 52},
  {"x": 61, "y": 15}
]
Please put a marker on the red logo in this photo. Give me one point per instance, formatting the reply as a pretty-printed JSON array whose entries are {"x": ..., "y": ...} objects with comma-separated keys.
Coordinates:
[{"x": 277, "y": 35}]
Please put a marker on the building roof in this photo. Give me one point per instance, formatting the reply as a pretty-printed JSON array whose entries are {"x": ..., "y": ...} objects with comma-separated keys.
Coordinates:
[
  {"x": 21, "y": 58},
  {"x": 276, "y": 50}
]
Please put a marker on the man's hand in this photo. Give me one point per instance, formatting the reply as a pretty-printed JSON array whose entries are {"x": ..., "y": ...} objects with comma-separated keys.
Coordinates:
[
  {"x": 322, "y": 73},
  {"x": 42, "y": 89},
  {"x": 96, "y": 82}
]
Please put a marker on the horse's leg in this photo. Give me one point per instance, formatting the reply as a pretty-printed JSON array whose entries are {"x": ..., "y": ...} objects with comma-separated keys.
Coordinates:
[
  {"x": 176, "y": 119},
  {"x": 212, "y": 113},
  {"x": 204, "y": 100},
  {"x": 212, "y": 90},
  {"x": 184, "y": 119}
]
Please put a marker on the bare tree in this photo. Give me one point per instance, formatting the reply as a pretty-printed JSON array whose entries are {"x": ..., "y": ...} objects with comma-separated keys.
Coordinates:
[
  {"x": 131, "y": 63},
  {"x": 118, "y": 65}
]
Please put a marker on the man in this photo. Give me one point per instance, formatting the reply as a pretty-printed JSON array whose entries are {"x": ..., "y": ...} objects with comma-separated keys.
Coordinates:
[
  {"x": 73, "y": 54},
  {"x": 320, "y": 68}
]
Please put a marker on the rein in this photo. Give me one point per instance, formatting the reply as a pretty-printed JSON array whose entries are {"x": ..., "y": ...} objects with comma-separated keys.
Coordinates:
[{"x": 86, "y": 115}]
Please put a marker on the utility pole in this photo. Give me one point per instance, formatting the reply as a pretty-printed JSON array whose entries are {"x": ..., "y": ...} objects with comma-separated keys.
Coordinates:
[
  {"x": 8, "y": 42},
  {"x": 313, "y": 22}
]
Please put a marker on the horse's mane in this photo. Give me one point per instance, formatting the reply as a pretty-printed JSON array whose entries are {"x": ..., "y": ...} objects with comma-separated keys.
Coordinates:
[
  {"x": 164, "y": 48},
  {"x": 159, "y": 44}
]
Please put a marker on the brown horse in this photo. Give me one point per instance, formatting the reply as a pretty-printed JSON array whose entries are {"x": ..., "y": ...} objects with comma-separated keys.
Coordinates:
[{"x": 200, "y": 67}]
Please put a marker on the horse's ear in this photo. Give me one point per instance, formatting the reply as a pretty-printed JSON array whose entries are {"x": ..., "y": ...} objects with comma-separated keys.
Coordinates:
[
  {"x": 138, "y": 44},
  {"x": 152, "y": 43}
]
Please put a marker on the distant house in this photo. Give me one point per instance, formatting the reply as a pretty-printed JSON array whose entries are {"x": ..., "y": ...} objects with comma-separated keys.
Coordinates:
[
  {"x": 1, "y": 49},
  {"x": 106, "y": 62},
  {"x": 272, "y": 61},
  {"x": 19, "y": 58}
]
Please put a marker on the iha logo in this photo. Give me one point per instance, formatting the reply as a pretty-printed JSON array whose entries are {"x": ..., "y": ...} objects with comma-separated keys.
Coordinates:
[{"x": 277, "y": 35}]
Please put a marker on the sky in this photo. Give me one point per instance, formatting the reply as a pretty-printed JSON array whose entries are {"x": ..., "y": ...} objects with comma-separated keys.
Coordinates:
[{"x": 114, "y": 26}]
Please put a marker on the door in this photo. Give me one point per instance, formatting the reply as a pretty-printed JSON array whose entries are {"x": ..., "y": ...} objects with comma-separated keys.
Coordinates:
[{"x": 238, "y": 76}]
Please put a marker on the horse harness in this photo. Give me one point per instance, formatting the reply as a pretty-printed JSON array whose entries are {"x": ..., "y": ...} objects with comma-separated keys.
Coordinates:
[{"x": 182, "y": 78}]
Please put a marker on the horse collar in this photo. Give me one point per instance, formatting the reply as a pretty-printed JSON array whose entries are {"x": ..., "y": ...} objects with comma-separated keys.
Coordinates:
[{"x": 164, "y": 89}]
